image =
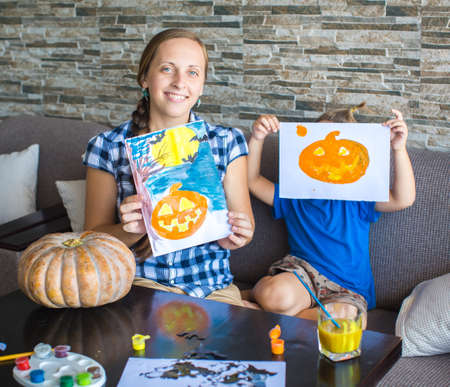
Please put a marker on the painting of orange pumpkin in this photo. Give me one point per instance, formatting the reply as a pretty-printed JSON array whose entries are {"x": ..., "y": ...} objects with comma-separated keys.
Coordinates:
[
  {"x": 334, "y": 161},
  {"x": 179, "y": 214}
]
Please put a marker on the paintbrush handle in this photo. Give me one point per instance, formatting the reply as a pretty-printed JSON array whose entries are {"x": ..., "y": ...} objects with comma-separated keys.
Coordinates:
[
  {"x": 15, "y": 356},
  {"x": 316, "y": 299}
]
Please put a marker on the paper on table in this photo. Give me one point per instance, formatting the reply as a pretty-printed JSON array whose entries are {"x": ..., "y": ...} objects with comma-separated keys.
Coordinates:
[
  {"x": 152, "y": 372},
  {"x": 345, "y": 161}
]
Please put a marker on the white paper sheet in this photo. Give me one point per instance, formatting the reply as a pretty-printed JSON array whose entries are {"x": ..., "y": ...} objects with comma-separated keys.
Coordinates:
[
  {"x": 155, "y": 372},
  {"x": 333, "y": 158}
]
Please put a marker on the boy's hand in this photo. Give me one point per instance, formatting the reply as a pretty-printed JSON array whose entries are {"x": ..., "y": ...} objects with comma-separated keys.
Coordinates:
[
  {"x": 242, "y": 229},
  {"x": 264, "y": 125},
  {"x": 399, "y": 131}
]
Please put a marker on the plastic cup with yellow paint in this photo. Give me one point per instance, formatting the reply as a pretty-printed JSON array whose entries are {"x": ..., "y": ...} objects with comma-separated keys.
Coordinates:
[
  {"x": 138, "y": 342},
  {"x": 342, "y": 343}
]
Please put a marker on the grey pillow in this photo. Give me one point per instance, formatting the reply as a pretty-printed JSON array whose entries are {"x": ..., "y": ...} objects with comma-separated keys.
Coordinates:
[
  {"x": 424, "y": 319},
  {"x": 73, "y": 194}
]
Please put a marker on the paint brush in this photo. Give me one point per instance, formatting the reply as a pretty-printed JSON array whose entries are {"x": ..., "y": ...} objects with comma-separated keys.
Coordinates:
[
  {"x": 15, "y": 356},
  {"x": 317, "y": 300}
]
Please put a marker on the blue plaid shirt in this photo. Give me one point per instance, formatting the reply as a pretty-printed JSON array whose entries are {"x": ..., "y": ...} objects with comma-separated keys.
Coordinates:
[{"x": 197, "y": 270}]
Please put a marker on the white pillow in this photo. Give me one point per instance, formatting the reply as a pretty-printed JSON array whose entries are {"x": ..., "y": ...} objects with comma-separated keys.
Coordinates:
[
  {"x": 18, "y": 178},
  {"x": 72, "y": 193},
  {"x": 424, "y": 319}
]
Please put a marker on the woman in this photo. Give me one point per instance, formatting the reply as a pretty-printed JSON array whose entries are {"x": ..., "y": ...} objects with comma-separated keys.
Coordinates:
[{"x": 172, "y": 73}]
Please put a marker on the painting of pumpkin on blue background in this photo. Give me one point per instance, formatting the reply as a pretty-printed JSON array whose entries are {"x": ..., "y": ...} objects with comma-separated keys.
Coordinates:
[{"x": 175, "y": 174}]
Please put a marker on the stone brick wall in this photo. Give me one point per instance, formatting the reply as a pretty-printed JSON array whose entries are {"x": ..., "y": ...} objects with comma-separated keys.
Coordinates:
[{"x": 78, "y": 59}]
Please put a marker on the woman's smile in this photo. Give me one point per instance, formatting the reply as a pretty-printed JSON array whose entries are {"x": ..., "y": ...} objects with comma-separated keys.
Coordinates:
[{"x": 175, "y": 97}]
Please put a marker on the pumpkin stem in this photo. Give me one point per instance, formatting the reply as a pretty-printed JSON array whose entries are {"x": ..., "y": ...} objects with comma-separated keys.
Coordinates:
[
  {"x": 175, "y": 187},
  {"x": 73, "y": 242},
  {"x": 332, "y": 135}
]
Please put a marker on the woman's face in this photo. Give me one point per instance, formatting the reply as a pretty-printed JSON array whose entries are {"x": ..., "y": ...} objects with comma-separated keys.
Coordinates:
[{"x": 175, "y": 80}]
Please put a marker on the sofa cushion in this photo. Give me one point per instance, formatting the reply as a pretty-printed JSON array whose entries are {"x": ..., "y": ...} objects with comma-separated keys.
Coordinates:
[
  {"x": 424, "y": 319},
  {"x": 73, "y": 194},
  {"x": 430, "y": 371},
  {"x": 62, "y": 141},
  {"x": 412, "y": 245},
  {"x": 18, "y": 176}
]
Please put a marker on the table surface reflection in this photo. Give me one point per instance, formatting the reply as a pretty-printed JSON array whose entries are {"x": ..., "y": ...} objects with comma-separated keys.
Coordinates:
[{"x": 104, "y": 334}]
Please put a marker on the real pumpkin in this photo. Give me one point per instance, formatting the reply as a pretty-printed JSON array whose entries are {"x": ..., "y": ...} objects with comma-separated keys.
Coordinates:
[
  {"x": 76, "y": 270},
  {"x": 334, "y": 161}
]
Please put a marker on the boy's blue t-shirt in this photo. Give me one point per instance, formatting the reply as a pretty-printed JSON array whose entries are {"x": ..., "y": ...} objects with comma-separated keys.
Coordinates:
[{"x": 333, "y": 236}]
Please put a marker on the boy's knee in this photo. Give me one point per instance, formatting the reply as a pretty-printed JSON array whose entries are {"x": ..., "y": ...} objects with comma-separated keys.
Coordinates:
[{"x": 274, "y": 295}]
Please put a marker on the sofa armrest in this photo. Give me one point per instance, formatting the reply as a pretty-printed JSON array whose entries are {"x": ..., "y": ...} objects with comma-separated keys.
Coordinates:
[{"x": 19, "y": 233}]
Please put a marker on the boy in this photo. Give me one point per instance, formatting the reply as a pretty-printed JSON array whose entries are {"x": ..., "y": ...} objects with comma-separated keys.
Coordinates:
[{"x": 328, "y": 239}]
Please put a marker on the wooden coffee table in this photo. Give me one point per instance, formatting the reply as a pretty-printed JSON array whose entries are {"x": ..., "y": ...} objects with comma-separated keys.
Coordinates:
[{"x": 237, "y": 333}]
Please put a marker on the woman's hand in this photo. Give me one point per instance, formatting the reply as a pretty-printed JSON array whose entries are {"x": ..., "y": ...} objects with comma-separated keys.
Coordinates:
[
  {"x": 131, "y": 215},
  {"x": 399, "y": 131},
  {"x": 264, "y": 125},
  {"x": 242, "y": 231}
]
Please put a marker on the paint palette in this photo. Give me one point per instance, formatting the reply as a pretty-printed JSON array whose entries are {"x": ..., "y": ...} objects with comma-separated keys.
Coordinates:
[{"x": 56, "y": 368}]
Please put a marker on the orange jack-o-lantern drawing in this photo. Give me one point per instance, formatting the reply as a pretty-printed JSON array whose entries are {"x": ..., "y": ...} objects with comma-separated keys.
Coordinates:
[
  {"x": 177, "y": 317},
  {"x": 334, "y": 161},
  {"x": 179, "y": 214}
]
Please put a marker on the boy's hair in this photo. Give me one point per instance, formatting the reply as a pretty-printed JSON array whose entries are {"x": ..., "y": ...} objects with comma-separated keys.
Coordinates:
[{"x": 341, "y": 115}]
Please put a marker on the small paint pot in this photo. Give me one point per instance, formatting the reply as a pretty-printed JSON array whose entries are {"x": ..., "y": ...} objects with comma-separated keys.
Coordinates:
[
  {"x": 37, "y": 376},
  {"x": 43, "y": 351},
  {"x": 277, "y": 346},
  {"x": 61, "y": 350},
  {"x": 23, "y": 363}
]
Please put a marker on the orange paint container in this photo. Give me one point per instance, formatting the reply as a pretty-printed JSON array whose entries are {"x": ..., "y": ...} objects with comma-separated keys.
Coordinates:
[{"x": 277, "y": 346}]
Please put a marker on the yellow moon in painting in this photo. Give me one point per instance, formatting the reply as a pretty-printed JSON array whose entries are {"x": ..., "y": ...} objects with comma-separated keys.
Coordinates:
[{"x": 176, "y": 146}]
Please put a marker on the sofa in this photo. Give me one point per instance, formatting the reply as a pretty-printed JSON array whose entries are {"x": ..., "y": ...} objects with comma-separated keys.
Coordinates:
[
  {"x": 61, "y": 144},
  {"x": 407, "y": 247}
]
